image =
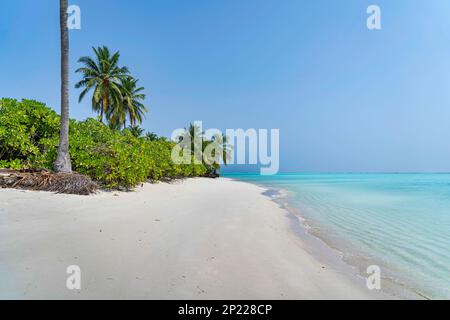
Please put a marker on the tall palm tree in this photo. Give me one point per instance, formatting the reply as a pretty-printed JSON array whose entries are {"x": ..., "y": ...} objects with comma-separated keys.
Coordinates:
[
  {"x": 102, "y": 75},
  {"x": 131, "y": 105},
  {"x": 63, "y": 163}
]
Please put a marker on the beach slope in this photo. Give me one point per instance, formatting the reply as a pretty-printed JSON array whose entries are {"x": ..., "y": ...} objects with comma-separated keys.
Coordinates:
[{"x": 192, "y": 239}]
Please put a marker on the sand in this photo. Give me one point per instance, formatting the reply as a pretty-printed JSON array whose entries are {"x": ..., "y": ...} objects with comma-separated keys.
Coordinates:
[{"x": 192, "y": 239}]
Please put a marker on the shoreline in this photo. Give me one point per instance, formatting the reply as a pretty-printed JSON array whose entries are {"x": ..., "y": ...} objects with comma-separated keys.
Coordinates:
[
  {"x": 324, "y": 249},
  {"x": 193, "y": 239}
]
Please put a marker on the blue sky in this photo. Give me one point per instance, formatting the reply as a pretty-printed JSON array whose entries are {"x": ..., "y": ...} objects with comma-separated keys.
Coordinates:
[{"x": 344, "y": 98}]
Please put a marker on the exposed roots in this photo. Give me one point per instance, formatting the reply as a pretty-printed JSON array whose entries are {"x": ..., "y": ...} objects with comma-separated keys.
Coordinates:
[{"x": 43, "y": 180}]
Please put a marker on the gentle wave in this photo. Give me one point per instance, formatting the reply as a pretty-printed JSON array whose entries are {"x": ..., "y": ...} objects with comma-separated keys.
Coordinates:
[{"x": 398, "y": 221}]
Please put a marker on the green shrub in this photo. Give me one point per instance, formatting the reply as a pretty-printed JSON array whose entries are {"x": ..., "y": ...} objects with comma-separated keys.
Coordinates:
[
  {"x": 29, "y": 139},
  {"x": 25, "y": 128}
]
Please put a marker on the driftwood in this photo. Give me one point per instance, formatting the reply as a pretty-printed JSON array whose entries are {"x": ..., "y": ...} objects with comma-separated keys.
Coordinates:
[{"x": 44, "y": 180}]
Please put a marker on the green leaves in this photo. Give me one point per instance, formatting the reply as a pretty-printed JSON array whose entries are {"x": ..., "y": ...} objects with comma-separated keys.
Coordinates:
[
  {"x": 22, "y": 127},
  {"x": 29, "y": 133},
  {"x": 115, "y": 94}
]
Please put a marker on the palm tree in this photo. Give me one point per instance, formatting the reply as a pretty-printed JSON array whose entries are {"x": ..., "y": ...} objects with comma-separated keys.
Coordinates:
[
  {"x": 225, "y": 149},
  {"x": 151, "y": 136},
  {"x": 63, "y": 163},
  {"x": 104, "y": 77},
  {"x": 194, "y": 136},
  {"x": 115, "y": 126},
  {"x": 216, "y": 151},
  {"x": 133, "y": 101},
  {"x": 131, "y": 104},
  {"x": 117, "y": 116},
  {"x": 136, "y": 131}
]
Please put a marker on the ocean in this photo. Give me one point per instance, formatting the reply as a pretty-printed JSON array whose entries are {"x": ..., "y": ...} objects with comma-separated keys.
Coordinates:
[{"x": 400, "y": 222}]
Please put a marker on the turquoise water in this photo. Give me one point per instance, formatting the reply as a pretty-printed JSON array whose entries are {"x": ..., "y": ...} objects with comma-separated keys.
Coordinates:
[{"x": 400, "y": 222}]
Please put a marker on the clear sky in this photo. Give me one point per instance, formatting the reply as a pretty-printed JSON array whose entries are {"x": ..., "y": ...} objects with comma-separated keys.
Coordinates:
[{"x": 344, "y": 98}]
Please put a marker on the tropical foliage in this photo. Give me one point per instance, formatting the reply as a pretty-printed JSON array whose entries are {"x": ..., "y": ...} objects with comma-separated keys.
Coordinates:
[
  {"x": 29, "y": 134},
  {"x": 210, "y": 152},
  {"x": 136, "y": 131},
  {"x": 116, "y": 95},
  {"x": 131, "y": 105}
]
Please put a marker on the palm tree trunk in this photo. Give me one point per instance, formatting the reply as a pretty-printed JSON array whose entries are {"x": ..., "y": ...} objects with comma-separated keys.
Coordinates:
[
  {"x": 104, "y": 105},
  {"x": 63, "y": 163}
]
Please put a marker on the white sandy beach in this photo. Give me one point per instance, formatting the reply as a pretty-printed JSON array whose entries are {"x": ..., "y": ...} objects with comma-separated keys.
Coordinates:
[{"x": 193, "y": 239}]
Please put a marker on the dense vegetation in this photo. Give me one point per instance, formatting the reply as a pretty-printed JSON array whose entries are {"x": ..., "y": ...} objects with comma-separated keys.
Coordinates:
[
  {"x": 29, "y": 134},
  {"x": 33, "y": 136}
]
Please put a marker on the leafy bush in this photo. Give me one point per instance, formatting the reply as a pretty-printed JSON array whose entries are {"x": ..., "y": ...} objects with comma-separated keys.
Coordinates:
[
  {"x": 29, "y": 139},
  {"x": 25, "y": 127}
]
